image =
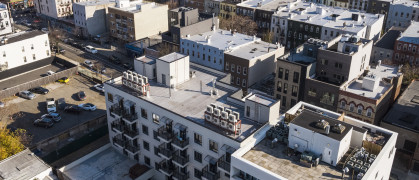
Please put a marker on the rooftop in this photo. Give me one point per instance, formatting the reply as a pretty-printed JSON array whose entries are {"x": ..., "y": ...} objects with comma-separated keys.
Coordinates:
[
  {"x": 387, "y": 41},
  {"x": 146, "y": 59},
  {"x": 135, "y": 6},
  {"x": 253, "y": 50},
  {"x": 24, "y": 165},
  {"x": 342, "y": 19},
  {"x": 188, "y": 100},
  {"x": 298, "y": 55},
  {"x": 261, "y": 99},
  {"x": 20, "y": 36},
  {"x": 3, "y": 6},
  {"x": 172, "y": 57},
  {"x": 107, "y": 165},
  {"x": 269, "y": 5},
  {"x": 222, "y": 39},
  {"x": 405, "y": 2},
  {"x": 411, "y": 34},
  {"x": 381, "y": 72},
  {"x": 96, "y": 2},
  {"x": 405, "y": 112}
]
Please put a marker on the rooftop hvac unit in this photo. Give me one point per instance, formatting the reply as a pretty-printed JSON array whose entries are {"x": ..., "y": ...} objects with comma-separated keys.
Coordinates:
[
  {"x": 130, "y": 77},
  {"x": 134, "y": 74},
  {"x": 125, "y": 75},
  {"x": 208, "y": 117},
  {"x": 124, "y": 82},
  {"x": 231, "y": 127},
  {"x": 322, "y": 124},
  {"x": 213, "y": 105},
  {"x": 221, "y": 108},
  {"x": 210, "y": 109},
  {"x": 135, "y": 79},
  {"x": 232, "y": 118},
  {"x": 223, "y": 124},
  {"x": 217, "y": 112},
  {"x": 139, "y": 76},
  {"x": 216, "y": 120},
  {"x": 145, "y": 80},
  {"x": 229, "y": 111},
  {"x": 129, "y": 72},
  {"x": 129, "y": 83},
  {"x": 350, "y": 164},
  {"x": 237, "y": 115},
  {"x": 360, "y": 162},
  {"x": 141, "y": 82},
  {"x": 224, "y": 115}
]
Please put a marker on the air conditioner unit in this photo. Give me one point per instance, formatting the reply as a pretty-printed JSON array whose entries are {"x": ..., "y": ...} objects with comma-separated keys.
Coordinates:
[
  {"x": 237, "y": 115},
  {"x": 208, "y": 117},
  {"x": 231, "y": 127},
  {"x": 210, "y": 109},
  {"x": 229, "y": 111},
  {"x": 130, "y": 77},
  {"x": 216, "y": 120},
  {"x": 221, "y": 108},
  {"x": 232, "y": 118},
  {"x": 129, "y": 72},
  {"x": 135, "y": 79},
  {"x": 145, "y": 80},
  {"x": 125, "y": 75},
  {"x": 217, "y": 112},
  {"x": 124, "y": 82},
  {"x": 129, "y": 83},
  {"x": 224, "y": 115},
  {"x": 213, "y": 105},
  {"x": 139, "y": 76},
  {"x": 141, "y": 82},
  {"x": 223, "y": 124}
]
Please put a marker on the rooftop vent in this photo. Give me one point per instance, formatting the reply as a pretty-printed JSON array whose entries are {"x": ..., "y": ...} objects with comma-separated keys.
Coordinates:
[
  {"x": 338, "y": 128},
  {"x": 322, "y": 124}
]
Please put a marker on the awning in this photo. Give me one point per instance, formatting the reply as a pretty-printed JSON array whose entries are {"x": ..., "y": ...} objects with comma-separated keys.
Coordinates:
[
  {"x": 181, "y": 127},
  {"x": 166, "y": 120},
  {"x": 228, "y": 148},
  {"x": 210, "y": 159}
]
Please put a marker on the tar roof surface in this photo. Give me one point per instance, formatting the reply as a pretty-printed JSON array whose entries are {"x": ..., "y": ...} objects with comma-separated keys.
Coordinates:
[
  {"x": 387, "y": 41},
  {"x": 253, "y": 50},
  {"x": 22, "y": 36},
  {"x": 23, "y": 165},
  {"x": 308, "y": 119}
]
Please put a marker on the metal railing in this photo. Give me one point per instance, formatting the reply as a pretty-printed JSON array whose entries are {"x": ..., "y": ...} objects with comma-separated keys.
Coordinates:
[
  {"x": 168, "y": 153},
  {"x": 132, "y": 149},
  {"x": 180, "y": 175},
  {"x": 182, "y": 143},
  {"x": 165, "y": 134},
  {"x": 181, "y": 159},
  {"x": 130, "y": 116},
  {"x": 164, "y": 167},
  {"x": 132, "y": 133},
  {"x": 119, "y": 141},
  {"x": 116, "y": 109},
  {"x": 223, "y": 164},
  {"x": 118, "y": 126},
  {"x": 210, "y": 175}
]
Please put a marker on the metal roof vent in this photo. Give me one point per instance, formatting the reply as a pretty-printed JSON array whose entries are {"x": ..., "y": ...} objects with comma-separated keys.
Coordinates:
[
  {"x": 322, "y": 124},
  {"x": 338, "y": 128}
]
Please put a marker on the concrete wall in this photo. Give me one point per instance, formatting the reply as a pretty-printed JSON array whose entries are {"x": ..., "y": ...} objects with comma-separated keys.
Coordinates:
[
  {"x": 399, "y": 21},
  {"x": 264, "y": 65},
  {"x": 192, "y": 47},
  {"x": 176, "y": 72},
  {"x": 91, "y": 18},
  {"x": 145, "y": 69},
  {"x": 381, "y": 54},
  {"x": 150, "y": 22},
  {"x": 374, "y": 30}
]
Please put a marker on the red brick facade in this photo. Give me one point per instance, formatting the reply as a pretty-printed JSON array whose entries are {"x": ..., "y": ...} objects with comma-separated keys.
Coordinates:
[{"x": 405, "y": 52}]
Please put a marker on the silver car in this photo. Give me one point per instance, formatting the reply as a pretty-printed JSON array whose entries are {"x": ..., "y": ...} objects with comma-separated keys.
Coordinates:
[
  {"x": 26, "y": 94},
  {"x": 53, "y": 116}
]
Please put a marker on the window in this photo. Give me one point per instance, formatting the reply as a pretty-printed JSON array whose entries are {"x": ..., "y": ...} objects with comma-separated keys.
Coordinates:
[
  {"x": 312, "y": 92},
  {"x": 244, "y": 83},
  {"x": 306, "y": 27},
  {"x": 47, "y": 52},
  {"x": 369, "y": 112},
  {"x": 409, "y": 145},
  {"x": 279, "y": 86},
  {"x": 280, "y": 73},
  {"x": 296, "y": 77},
  {"x": 325, "y": 32},
  {"x": 338, "y": 65},
  {"x": 227, "y": 66},
  {"x": 144, "y": 113},
  {"x": 244, "y": 70},
  {"x": 155, "y": 135},
  {"x": 360, "y": 108},
  {"x": 239, "y": 68},
  {"x": 24, "y": 59},
  {"x": 351, "y": 107},
  {"x": 197, "y": 173},
  {"x": 147, "y": 160},
  {"x": 317, "y": 29},
  {"x": 294, "y": 91},
  {"x": 146, "y": 145},
  {"x": 286, "y": 74},
  {"x": 293, "y": 102},
  {"x": 213, "y": 146},
  {"x": 238, "y": 81},
  {"x": 285, "y": 88},
  {"x": 110, "y": 97},
  {"x": 156, "y": 151},
  {"x": 399, "y": 46},
  {"x": 203, "y": 56},
  {"x": 32, "y": 46},
  {"x": 198, "y": 156},
  {"x": 342, "y": 104},
  {"x": 33, "y": 57},
  {"x": 145, "y": 130},
  {"x": 396, "y": 56},
  {"x": 198, "y": 139},
  {"x": 284, "y": 101},
  {"x": 232, "y": 67},
  {"x": 156, "y": 118},
  {"x": 23, "y": 48},
  {"x": 324, "y": 62}
]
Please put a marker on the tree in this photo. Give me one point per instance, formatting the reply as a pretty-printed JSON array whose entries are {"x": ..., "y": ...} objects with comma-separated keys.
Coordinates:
[
  {"x": 241, "y": 24},
  {"x": 409, "y": 73},
  {"x": 165, "y": 49},
  {"x": 268, "y": 36},
  {"x": 172, "y": 4}
]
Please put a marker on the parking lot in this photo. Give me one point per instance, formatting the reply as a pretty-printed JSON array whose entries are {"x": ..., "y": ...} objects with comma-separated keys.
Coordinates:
[{"x": 33, "y": 109}]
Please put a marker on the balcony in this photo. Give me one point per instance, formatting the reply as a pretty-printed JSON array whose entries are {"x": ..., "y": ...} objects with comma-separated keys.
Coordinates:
[
  {"x": 180, "y": 143},
  {"x": 131, "y": 133},
  {"x": 224, "y": 165},
  {"x": 65, "y": 4},
  {"x": 116, "y": 110},
  {"x": 119, "y": 142},
  {"x": 130, "y": 117},
  {"x": 132, "y": 149},
  {"x": 165, "y": 168},
  {"x": 117, "y": 126},
  {"x": 180, "y": 161},
  {"x": 180, "y": 175},
  {"x": 164, "y": 134},
  {"x": 165, "y": 152},
  {"x": 206, "y": 174}
]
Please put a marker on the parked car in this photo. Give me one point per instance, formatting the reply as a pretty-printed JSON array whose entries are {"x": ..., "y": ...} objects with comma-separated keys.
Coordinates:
[
  {"x": 81, "y": 95},
  {"x": 114, "y": 59},
  {"x": 61, "y": 51},
  {"x": 51, "y": 105},
  {"x": 88, "y": 106},
  {"x": 99, "y": 87},
  {"x": 39, "y": 90},
  {"x": 90, "y": 49},
  {"x": 64, "y": 80},
  {"x": 73, "y": 109},
  {"x": 88, "y": 63},
  {"x": 49, "y": 73},
  {"x": 53, "y": 116},
  {"x": 27, "y": 95},
  {"x": 45, "y": 30},
  {"x": 127, "y": 66},
  {"x": 61, "y": 103},
  {"x": 46, "y": 123}
]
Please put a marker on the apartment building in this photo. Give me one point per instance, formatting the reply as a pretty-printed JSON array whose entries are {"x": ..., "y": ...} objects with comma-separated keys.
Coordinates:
[
  {"x": 406, "y": 47},
  {"x": 187, "y": 21},
  {"x": 212, "y": 6},
  {"x": 196, "y": 4},
  {"x": 299, "y": 21},
  {"x": 23, "y": 48},
  {"x": 383, "y": 49},
  {"x": 133, "y": 20},
  {"x": 401, "y": 13},
  {"x": 337, "y": 141},
  {"x": 403, "y": 118},
  {"x": 5, "y": 20},
  {"x": 90, "y": 17},
  {"x": 379, "y": 7},
  {"x": 368, "y": 97},
  {"x": 343, "y": 61},
  {"x": 251, "y": 63},
  {"x": 56, "y": 9},
  {"x": 228, "y": 8},
  {"x": 187, "y": 130}
]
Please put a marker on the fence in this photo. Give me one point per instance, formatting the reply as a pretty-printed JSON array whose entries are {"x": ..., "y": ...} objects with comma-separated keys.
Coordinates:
[{"x": 37, "y": 82}]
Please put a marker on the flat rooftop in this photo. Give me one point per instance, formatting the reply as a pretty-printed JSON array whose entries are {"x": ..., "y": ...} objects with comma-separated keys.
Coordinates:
[
  {"x": 387, "y": 41},
  {"x": 382, "y": 71},
  {"x": 222, "y": 39},
  {"x": 107, "y": 165},
  {"x": 96, "y": 2},
  {"x": 3, "y": 7},
  {"x": 253, "y": 50},
  {"x": 277, "y": 161},
  {"x": 23, "y": 165},
  {"x": 20, "y": 36},
  {"x": 146, "y": 59},
  {"x": 133, "y": 6},
  {"x": 268, "y": 5},
  {"x": 261, "y": 99},
  {"x": 172, "y": 57},
  {"x": 405, "y": 112},
  {"x": 405, "y": 2},
  {"x": 187, "y": 100},
  {"x": 411, "y": 34},
  {"x": 307, "y": 12}
]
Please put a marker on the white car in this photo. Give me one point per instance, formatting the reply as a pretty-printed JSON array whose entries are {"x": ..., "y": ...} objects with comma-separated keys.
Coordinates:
[
  {"x": 88, "y": 106},
  {"x": 51, "y": 105},
  {"x": 88, "y": 63},
  {"x": 49, "y": 73},
  {"x": 99, "y": 87},
  {"x": 90, "y": 49},
  {"x": 45, "y": 30}
]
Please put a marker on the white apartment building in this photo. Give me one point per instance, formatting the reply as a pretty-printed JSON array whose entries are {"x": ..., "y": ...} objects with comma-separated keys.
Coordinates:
[
  {"x": 55, "y": 8},
  {"x": 23, "y": 48},
  {"x": 401, "y": 12},
  {"x": 5, "y": 20},
  {"x": 90, "y": 17},
  {"x": 323, "y": 22},
  {"x": 329, "y": 143},
  {"x": 208, "y": 48},
  {"x": 189, "y": 130}
]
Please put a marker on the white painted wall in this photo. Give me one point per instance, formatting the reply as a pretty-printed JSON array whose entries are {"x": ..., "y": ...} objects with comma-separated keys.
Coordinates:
[
  {"x": 6, "y": 20},
  {"x": 144, "y": 69},
  {"x": 176, "y": 72},
  {"x": 193, "y": 49},
  {"x": 356, "y": 62},
  {"x": 395, "y": 18}
]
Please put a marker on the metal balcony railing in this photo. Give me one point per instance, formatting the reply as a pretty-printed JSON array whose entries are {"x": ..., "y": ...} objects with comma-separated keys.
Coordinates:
[
  {"x": 132, "y": 149},
  {"x": 210, "y": 175},
  {"x": 119, "y": 142},
  {"x": 165, "y": 134},
  {"x": 118, "y": 126},
  {"x": 116, "y": 109},
  {"x": 132, "y": 133},
  {"x": 181, "y": 160},
  {"x": 223, "y": 164},
  {"x": 168, "y": 153},
  {"x": 181, "y": 143},
  {"x": 180, "y": 175},
  {"x": 164, "y": 167},
  {"x": 131, "y": 117}
]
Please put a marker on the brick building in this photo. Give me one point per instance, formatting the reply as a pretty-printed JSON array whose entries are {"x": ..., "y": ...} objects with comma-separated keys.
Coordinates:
[{"x": 406, "y": 46}]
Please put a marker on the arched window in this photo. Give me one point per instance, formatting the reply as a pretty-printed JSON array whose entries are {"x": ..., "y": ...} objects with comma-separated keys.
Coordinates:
[
  {"x": 351, "y": 107},
  {"x": 369, "y": 112},
  {"x": 360, "y": 108},
  {"x": 342, "y": 104}
]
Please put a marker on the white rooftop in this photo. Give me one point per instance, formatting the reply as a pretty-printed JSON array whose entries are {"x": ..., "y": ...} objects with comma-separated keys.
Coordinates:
[
  {"x": 405, "y": 2},
  {"x": 172, "y": 57},
  {"x": 253, "y": 50},
  {"x": 222, "y": 39},
  {"x": 133, "y": 5},
  {"x": 96, "y": 2},
  {"x": 261, "y": 99},
  {"x": 265, "y": 4},
  {"x": 382, "y": 71},
  {"x": 411, "y": 34},
  {"x": 310, "y": 13}
]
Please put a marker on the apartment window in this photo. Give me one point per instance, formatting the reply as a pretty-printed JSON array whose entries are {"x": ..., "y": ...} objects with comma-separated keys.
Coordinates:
[
  {"x": 24, "y": 58},
  {"x": 47, "y": 52},
  {"x": 396, "y": 56},
  {"x": 147, "y": 160},
  {"x": 244, "y": 83},
  {"x": 324, "y": 62},
  {"x": 399, "y": 46},
  {"x": 284, "y": 101},
  {"x": 4, "y": 53},
  {"x": 144, "y": 113},
  {"x": 285, "y": 88},
  {"x": 213, "y": 146},
  {"x": 409, "y": 146},
  {"x": 156, "y": 151},
  {"x": 197, "y": 173},
  {"x": 203, "y": 56},
  {"x": 32, "y": 46},
  {"x": 198, "y": 55},
  {"x": 232, "y": 67},
  {"x": 360, "y": 108},
  {"x": 227, "y": 66},
  {"x": 294, "y": 91},
  {"x": 156, "y": 118},
  {"x": 23, "y": 48},
  {"x": 342, "y": 104},
  {"x": 155, "y": 135},
  {"x": 146, "y": 145},
  {"x": 405, "y": 47},
  {"x": 238, "y": 81},
  {"x": 306, "y": 27},
  {"x": 239, "y": 68},
  {"x": 110, "y": 96},
  {"x": 286, "y": 74},
  {"x": 312, "y": 92},
  {"x": 33, "y": 57},
  {"x": 279, "y": 86},
  {"x": 244, "y": 70},
  {"x": 198, "y": 156},
  {"x": 351, "y": 107},
  {"x": 414, "y": 49},
  {"x": 338, "y": 65},
  {"x": 295, "y": 77},
  {"x": 300, "y": 36},
  {"x": 280, "y": 73},
  {"x": 369, "y": 112},
  {"x": 325, "y": 32},
  {"x": 145, "y": 129},
  {"x": 317, "y": 29},
  {"x": 198, "y": 139}
]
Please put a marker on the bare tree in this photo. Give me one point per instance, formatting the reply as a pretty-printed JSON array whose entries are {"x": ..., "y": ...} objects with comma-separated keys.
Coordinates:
[
  {"x": 166, "y": 48},
  {"x": 241, "y": 24},
  {"x": 268, "y": 36},
  {"x": 172, "y": 4},
  {"x": 9, "y": 113}
]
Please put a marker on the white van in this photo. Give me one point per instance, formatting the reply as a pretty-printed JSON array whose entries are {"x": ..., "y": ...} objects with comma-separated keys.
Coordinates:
[{"x": 90, "y": 49}]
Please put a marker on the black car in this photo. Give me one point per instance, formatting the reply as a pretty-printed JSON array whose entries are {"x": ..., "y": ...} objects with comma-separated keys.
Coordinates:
[
  {"x": 114, "y": 59},
  {"x": 45, "y": 122},
  {"x": 127, "y": 66},
  {"x": 39, "y": 90},
  {"x": 81, "y": 95},
  {"x": 73, "y": 109}
]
